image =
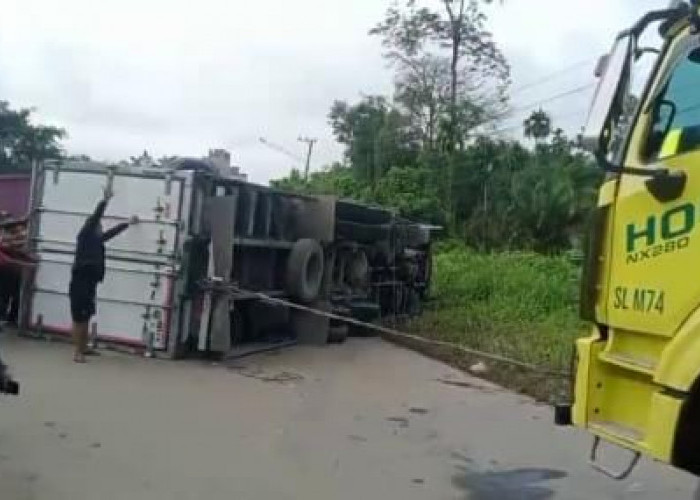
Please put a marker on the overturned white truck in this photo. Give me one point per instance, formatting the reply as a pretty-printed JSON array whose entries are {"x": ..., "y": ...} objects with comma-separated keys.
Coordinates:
[{"x": 202, "y": 232}]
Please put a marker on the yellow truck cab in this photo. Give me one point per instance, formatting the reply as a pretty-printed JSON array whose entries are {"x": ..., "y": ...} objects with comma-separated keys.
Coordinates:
[{"x": 638, "y": 372}]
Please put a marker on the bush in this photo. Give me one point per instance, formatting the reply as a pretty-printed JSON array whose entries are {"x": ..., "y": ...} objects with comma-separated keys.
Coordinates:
[{"x": 517, "y": 304}]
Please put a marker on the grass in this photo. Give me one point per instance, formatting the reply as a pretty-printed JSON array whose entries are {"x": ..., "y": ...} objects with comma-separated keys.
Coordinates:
[{"x": 520, "y": 305}]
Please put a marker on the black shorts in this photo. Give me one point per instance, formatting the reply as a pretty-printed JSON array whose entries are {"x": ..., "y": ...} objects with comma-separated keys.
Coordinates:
[{"x": 82, "y": 298}]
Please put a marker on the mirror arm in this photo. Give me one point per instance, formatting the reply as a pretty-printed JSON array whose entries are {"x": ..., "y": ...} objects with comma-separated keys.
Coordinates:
[
  {"x": 650, "y": 17},
  {"x": 641, "y": 172},
  {"x": 639, "y": 52}
]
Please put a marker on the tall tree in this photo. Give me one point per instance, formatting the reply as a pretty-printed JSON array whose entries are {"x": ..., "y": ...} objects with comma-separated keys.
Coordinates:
[
  {"x": 451, "y": 76},
  {"x": 445, "y": 59},
  {"x": 538, "y": 126},
  {"x": 22, "y": 142},
  {"x": 375, "y": 135}
]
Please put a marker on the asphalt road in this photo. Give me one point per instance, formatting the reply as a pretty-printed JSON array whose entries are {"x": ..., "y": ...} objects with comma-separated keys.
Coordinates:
[{"x": 365, "y": 420}]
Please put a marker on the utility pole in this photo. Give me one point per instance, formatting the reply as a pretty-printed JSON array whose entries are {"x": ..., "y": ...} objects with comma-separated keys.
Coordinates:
[{"x": 310, "y": 143}]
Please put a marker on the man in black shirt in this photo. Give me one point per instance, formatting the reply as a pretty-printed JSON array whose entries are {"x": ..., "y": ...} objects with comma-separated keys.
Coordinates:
[{"x": 89, "y": 270}]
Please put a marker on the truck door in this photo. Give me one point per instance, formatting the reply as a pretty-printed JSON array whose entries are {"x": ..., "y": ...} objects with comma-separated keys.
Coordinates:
[
  {"x": 654, "y": 262},
  {"x": 655, "y": 240},
  {"x": 135, "y": 302}
]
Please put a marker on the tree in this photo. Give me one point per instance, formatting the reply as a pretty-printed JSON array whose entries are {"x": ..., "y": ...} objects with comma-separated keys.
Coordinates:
[
  {"x": 420, "y": 152},
  {"x": 507, "y": 197},
  {"x": 445, "y": 59},
  {"x": 22, "y": 142},
  {"x": 451, "y": 76},
  {"x": 375, "y": 134},
  {"x": 336, "y": 179},
  {"x": 537, "y": 126}
]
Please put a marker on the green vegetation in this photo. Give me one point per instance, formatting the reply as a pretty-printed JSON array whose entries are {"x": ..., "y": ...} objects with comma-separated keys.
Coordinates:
[
  {"x": 431, "y": 150},
  {"x": 506, "y": 197},
  {"x": 510, "y": 211},
  {"x": 22, "y": 142},
  {"x": 517, "y": 304}
]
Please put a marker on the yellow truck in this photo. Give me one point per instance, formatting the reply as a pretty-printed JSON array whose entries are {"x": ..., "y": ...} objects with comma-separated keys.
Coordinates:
[{"x": 637, "y": 375}]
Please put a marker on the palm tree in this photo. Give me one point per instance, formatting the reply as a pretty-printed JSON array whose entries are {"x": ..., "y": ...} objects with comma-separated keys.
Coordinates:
[{"x": 538, "y": 126}]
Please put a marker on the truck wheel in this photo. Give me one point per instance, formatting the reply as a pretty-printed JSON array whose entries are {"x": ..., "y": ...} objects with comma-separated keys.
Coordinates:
[
  {"x": 305, "y": 270},
  {"x": 358, "y": 270},
  {"x": 337, "y": 334},
  {"x": 385, "y": 252}
]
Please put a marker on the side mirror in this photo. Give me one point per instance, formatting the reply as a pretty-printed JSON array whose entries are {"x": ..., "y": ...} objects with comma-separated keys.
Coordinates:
[
  {"x": 601, "y": 65},
  {"x": 597, "y": 132},
  {"x": 668, "y": 186}
]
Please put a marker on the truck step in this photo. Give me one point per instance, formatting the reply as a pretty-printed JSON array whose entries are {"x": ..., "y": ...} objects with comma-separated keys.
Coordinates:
[
  {"x": 641, "y": 365},
  {"x": 617, "y": 430}
]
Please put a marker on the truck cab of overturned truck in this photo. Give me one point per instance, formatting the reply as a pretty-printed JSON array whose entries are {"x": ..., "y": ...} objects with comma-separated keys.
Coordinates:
[{"x": 637, "y": 374}]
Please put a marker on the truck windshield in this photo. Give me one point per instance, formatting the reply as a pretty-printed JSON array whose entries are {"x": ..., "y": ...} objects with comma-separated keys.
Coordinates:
[{"x": 676, "y": 112}]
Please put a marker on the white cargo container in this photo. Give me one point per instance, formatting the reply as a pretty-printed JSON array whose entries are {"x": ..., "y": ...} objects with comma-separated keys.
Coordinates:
[
  {"x": 200, "y": 230},
  {"x": 136, "y": 303}
]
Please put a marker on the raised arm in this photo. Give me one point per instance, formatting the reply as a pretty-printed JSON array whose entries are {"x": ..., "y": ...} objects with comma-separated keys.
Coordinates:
[
  {"x": 115, "y": 231},
  {"x": 94, "y": 219},
  {"x": 120, "y": 228}
]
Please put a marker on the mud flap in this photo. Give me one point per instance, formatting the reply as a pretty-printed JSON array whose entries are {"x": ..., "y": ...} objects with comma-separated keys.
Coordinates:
[{"x": 221, "y": 212}]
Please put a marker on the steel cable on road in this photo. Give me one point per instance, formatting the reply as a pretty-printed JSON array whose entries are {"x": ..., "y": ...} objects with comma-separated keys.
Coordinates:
[{"x": 389, "y": 332}]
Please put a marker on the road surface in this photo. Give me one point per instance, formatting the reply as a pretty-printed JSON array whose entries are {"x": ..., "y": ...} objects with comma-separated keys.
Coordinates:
[{"x": 365, "y": 420}]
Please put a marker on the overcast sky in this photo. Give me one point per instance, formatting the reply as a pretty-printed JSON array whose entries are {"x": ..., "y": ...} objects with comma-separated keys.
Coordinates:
[{"x": 182, "y": 76}]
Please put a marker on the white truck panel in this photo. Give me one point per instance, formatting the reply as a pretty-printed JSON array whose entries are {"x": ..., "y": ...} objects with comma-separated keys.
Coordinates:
[
  {"x": 130, "y": 282},
  {"x": 133, "y": 195},
  {"x": 116, "y": 322},
  {"x": 135, "y": 303},
  {"x": 148, "y": 240},
  {"x": 66, "y": 204}
]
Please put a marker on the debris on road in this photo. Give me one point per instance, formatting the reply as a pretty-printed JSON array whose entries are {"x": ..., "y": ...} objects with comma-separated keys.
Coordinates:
[
  {"x": 258, "y": 373},
  {"x": 479, "y": 368}
]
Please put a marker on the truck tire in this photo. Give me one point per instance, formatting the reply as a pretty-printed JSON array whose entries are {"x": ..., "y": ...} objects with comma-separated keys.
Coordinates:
[
  {"x": 358, "y": 271},
  {"x": 384, "y": 252},
  {"x": 305, "y": 270},
  {"x": 337, "y": 334}
]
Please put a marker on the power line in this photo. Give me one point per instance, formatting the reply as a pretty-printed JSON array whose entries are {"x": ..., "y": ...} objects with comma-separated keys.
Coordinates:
[
  {"x": 280, "y": 149},
  {"x": 579, "y": 114},
  {"x": 537, "y": 104},
  {"x": 524, "y": 113},
  {"x": 549, "y": 77},
  {"x": 546, "y": 100}
]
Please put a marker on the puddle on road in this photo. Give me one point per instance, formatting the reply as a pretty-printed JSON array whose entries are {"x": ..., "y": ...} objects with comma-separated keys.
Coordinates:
[{"x": 515, "y": 484}]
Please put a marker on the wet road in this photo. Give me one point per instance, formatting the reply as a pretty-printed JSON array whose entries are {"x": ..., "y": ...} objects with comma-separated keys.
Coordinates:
[{"x": 365, "y": 420}]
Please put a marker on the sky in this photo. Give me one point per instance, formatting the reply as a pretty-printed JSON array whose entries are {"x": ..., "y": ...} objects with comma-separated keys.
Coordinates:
[{"x": 179, "y": 77}]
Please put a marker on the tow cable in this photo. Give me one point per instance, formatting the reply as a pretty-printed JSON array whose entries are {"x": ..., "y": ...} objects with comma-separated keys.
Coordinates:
[{"x": 389, "y": 333}]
